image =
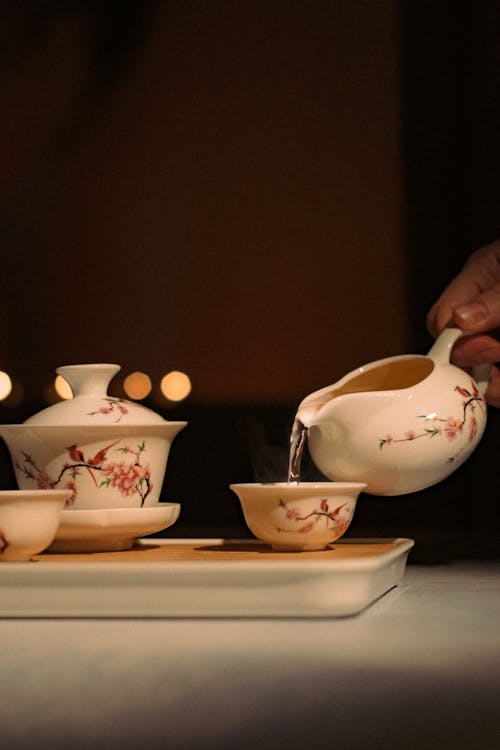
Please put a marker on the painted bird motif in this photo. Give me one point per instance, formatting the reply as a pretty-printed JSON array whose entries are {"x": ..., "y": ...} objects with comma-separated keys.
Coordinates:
[
  {"x": 101, "y": 455},
  {"x": 76, "y": 454}
]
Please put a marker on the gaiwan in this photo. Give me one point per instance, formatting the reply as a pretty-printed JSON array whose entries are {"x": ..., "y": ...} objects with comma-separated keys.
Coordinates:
[{"x": 109, "y": 452}]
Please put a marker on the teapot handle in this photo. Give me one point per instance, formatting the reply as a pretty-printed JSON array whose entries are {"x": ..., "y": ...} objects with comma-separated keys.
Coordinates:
[{"x": 440, "y": 353}]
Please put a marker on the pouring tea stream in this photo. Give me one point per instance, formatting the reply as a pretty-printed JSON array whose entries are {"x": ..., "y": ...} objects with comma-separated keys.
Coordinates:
[{"x": 399, "y": 424}]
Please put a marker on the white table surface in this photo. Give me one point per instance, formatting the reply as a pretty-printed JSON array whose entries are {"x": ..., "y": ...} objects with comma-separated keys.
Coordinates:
[{"x": 420, "y": 668}]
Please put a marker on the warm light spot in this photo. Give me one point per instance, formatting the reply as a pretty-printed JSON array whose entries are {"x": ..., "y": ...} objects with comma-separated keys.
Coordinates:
[
  {"x": 137, "y": 385},
  {"x": 5, "y": 385},
  {"x": 16, "y": 395},
  {"x": 62, "y": 387},
  {"x": 175, "y": 385}
]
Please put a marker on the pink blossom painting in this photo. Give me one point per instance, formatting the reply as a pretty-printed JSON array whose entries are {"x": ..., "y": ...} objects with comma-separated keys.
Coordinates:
[
  {"x": 116, "y": 466},
  {"x": 450, "y": 427}
]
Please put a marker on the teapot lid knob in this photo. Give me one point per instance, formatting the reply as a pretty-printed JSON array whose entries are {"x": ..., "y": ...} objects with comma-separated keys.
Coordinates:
[{"x": 89, "y": 380}]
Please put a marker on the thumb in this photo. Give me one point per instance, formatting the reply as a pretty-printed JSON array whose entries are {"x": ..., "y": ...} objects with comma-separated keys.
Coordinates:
[{"x": 480, "y": 314}]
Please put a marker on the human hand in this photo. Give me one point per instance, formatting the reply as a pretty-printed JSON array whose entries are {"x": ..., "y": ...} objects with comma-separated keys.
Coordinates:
[{"x": 471, "y": 301}]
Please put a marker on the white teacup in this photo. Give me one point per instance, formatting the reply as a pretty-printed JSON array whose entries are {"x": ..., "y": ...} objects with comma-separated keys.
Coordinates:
[
  {"x": 298, "y": 517},
  {"x": 29, "y": 520}
]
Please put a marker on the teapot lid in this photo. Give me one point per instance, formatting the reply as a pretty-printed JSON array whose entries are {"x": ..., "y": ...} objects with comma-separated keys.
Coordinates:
[{"x": 91, "y": 404}]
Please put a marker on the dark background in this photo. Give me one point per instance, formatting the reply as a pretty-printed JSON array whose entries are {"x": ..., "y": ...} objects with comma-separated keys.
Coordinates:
[
  {"x": 452, "y": 158},
  {"x": 264, "y": 195}
]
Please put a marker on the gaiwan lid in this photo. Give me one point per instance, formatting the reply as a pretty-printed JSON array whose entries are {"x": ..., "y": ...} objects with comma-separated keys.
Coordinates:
[{"x": 91, "y": 404}]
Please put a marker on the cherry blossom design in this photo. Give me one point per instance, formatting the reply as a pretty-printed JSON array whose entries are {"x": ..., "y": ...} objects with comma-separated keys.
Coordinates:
[
  {"x": 330, "y": 517},
  {"x": 129, "y": 477},
  {"x": 114, "y": 406},
  {"x": 449, "y": 427}
]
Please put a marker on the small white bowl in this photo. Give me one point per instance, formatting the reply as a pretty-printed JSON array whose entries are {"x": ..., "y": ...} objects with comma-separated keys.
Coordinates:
[
  {"x": 104, "y": 466},
  {"x": 298, "y": 517},
  {"x": 29, "y": 520}
]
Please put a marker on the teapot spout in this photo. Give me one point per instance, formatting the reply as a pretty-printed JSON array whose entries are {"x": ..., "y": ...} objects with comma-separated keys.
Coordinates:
[{"x": 309, "y": 407}]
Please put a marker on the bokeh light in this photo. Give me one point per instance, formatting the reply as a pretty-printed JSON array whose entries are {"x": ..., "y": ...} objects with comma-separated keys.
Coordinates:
[
  {"x": 16, "y": 395},
  {"x": 175, "y": 385},
  {"x": 62, "y": 388},
  {"x": 5, "y": 385},
  {"x": 137, "y": 385}
]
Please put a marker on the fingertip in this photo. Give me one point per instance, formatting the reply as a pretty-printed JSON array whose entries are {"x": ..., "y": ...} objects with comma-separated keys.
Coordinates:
[
  {"x": 430, "y": 323},
  {"x": 438, "y": 319},
  {"x": 472, "y": 316}
]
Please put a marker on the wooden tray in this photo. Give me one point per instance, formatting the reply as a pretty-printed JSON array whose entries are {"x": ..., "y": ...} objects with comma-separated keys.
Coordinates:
[{"x": 204, "y": 578}]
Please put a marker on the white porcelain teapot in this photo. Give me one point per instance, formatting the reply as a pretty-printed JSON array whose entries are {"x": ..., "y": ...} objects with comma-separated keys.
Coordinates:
[{"x": 399, "y": 424}]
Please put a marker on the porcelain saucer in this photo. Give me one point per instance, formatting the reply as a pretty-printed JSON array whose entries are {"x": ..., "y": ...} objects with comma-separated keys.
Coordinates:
[{"x": 110, "y": 529}]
